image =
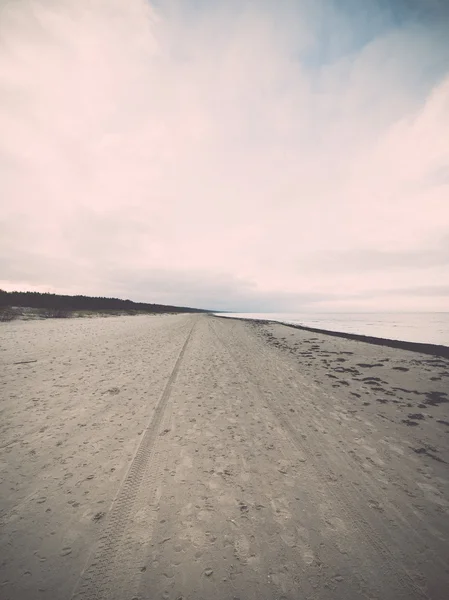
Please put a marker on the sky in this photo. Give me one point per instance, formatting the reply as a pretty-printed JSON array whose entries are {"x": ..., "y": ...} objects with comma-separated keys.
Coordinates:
[{"x": 232, "y": 155}]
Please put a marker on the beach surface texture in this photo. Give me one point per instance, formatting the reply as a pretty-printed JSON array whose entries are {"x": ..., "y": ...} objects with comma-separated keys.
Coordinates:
[{"x": 200, "y": 458}]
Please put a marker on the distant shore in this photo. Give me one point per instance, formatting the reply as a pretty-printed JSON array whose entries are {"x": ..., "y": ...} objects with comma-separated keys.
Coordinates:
[
  {"x": 21, "y": 313},
  {"x": 37, "y": 305}
]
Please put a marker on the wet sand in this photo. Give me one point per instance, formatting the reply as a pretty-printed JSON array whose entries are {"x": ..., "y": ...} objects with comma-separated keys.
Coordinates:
[{"x": 195, "y": 457}]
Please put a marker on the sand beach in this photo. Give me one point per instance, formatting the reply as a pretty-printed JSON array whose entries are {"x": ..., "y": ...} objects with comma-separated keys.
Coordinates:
[{"x": 195, "y": 457}]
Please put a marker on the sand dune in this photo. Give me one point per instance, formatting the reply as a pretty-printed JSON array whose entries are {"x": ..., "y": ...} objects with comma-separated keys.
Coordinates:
[{"x": 195, "y": 457}]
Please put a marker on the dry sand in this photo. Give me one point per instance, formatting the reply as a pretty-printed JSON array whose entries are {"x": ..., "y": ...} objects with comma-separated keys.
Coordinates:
[{"x": 201, "y": 458}]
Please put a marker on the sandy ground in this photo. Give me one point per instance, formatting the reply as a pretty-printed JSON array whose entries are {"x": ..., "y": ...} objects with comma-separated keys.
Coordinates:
[{"x": 202, "y": 458}]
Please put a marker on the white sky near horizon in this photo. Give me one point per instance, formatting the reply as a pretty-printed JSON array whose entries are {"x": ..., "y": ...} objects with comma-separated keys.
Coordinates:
[{"x": 248, "y": 156}]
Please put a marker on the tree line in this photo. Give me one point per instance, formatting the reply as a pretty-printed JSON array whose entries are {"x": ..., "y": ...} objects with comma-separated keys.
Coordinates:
[{"x": 74, "y": 303}]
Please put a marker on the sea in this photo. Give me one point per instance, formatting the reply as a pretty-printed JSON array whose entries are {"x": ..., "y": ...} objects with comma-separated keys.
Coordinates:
[{"x": 427, "y": 328}]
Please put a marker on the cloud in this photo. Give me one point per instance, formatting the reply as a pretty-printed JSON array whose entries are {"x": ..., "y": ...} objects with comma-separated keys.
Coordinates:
[
  {"x": 431, "y": 290},
  {"x": 225, "y": 154},
  {"x": 436, "y": 254}
]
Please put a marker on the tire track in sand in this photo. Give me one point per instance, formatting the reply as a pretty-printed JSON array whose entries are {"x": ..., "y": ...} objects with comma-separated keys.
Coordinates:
[{"x": 105, "y": 577}]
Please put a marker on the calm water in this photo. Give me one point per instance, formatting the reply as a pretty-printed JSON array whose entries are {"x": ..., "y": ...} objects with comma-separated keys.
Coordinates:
[{"x": 430, "y": 328}]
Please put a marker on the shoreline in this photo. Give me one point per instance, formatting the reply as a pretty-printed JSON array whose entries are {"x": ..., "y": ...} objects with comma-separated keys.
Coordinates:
[{"x": 437, "y": 350}]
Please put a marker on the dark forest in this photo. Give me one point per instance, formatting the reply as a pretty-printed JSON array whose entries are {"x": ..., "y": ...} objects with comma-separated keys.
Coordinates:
[{"x": 63, "y": 304}]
